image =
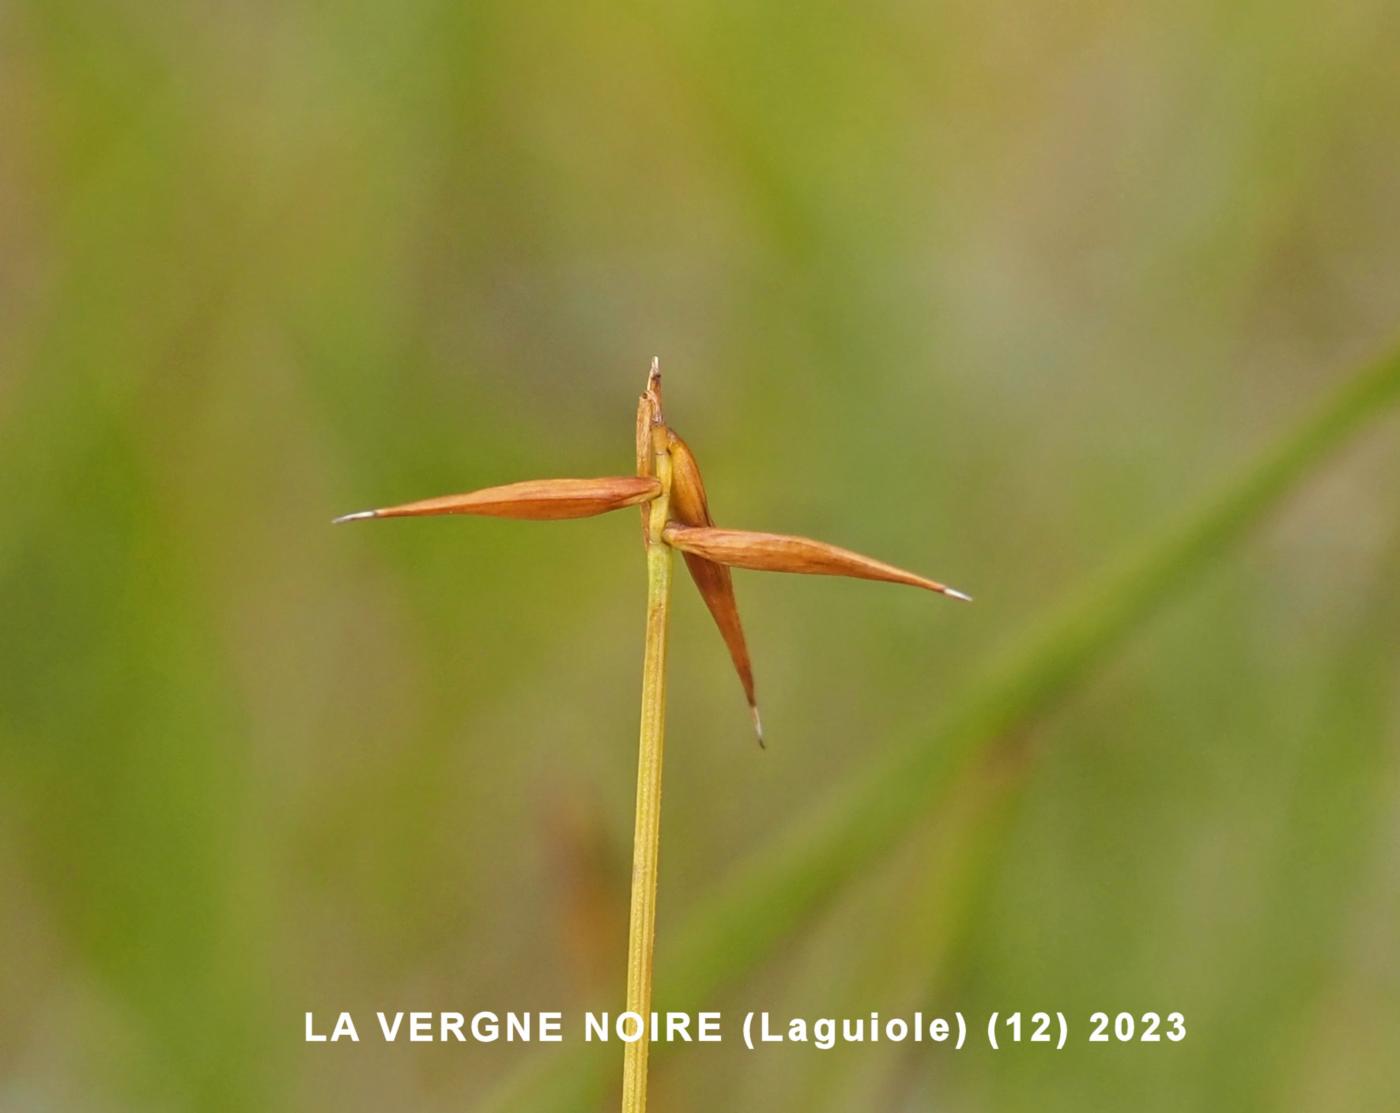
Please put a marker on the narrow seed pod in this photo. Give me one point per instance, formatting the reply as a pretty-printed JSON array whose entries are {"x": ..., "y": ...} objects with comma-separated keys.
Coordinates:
[
  {"x": 691, "y": 507},
  {"x": 534, "y": 499},
  {"x": 776, "y": 552}
]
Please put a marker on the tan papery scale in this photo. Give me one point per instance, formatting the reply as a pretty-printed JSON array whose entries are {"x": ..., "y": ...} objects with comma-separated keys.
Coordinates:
[{"x": 648, "y": 418}]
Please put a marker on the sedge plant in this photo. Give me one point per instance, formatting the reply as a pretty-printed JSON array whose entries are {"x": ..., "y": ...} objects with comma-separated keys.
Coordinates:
[{"x": 675, "y": 517}]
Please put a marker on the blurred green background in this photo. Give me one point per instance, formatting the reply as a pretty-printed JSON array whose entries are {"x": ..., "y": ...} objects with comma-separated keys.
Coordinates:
[{"x": 989, "y": 292}]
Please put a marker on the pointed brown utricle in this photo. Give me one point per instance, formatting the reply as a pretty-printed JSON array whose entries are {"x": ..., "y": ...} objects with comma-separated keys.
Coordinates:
[
  {"x": 690, "y": 506},
  {"x": 776, "y": 552},
  {"x": 536, "y": 499}
]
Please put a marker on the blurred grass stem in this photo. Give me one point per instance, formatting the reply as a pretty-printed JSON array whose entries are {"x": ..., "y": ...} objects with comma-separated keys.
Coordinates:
[{"x": 646, "y": 845}]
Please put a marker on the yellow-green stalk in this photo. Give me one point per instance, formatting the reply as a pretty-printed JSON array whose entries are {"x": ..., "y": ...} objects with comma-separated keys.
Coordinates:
[{"x": 646, "y": 844}]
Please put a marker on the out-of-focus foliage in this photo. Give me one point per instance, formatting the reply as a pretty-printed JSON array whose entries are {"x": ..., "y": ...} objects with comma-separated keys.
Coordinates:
[{"x": 985, "y": 292}]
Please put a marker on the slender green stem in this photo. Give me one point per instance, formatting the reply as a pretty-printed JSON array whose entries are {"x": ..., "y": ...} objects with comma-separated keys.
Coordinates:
[{"x": 646, "y": 839}]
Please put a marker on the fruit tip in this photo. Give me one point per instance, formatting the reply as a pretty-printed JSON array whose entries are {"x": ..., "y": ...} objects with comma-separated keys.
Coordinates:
[
  {"x": 956, "y": 594},
  {"x": 758, "y": 727},
  {"x": 359, "y": 515}
]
